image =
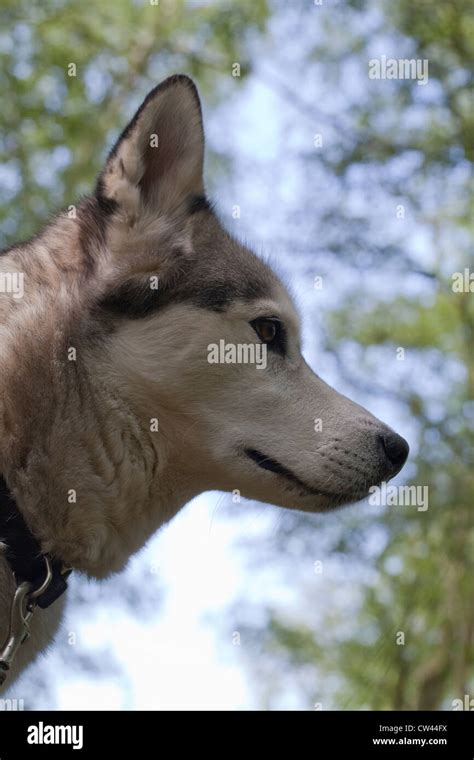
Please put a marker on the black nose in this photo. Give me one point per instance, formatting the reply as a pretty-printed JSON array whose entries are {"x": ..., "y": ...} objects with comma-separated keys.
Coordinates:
[{"x": 396, "y": 449}]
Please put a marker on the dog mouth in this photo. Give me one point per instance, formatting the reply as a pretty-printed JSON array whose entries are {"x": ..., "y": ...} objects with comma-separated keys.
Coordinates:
[
  {"x": 272, "y": 465},
  {"x": 267, "y": 463}
]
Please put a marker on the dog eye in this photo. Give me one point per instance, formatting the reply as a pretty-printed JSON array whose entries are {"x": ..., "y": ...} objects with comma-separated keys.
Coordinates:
[
  {"x": 271, "y": 332},
  {"x": 266, "y": 329}
]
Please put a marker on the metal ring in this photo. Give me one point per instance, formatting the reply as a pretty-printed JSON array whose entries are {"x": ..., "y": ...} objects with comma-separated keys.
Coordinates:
[{"x": 49, "y": 577}]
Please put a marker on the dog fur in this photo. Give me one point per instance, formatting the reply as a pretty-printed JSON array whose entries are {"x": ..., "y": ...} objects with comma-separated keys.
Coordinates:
[{"x": 94, "y": 360}]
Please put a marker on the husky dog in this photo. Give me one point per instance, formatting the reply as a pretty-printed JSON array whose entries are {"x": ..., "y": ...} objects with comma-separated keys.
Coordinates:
[{"x": 112, "y": 417}]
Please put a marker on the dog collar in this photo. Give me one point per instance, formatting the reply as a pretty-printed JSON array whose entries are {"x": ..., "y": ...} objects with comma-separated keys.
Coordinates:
[
  {"x": 23, "y": 552},
  {"x": 40, "y": 579}
]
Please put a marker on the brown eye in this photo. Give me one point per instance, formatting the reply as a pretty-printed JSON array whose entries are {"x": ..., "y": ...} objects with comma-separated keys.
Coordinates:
[
  {"x": 271, "y": 331},
  {"x": 265, "y": 328}
]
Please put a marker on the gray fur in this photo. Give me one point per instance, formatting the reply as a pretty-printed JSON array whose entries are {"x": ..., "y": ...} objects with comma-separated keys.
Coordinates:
[{"x": 92, "y": 358}]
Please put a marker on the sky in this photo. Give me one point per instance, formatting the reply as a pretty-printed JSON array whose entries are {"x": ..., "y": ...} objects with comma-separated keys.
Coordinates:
[{"x": 184, "y": 655}]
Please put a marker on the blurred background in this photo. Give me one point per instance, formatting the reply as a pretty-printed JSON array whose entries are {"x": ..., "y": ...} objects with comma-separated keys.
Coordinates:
[{"x": 360, "y": 191}]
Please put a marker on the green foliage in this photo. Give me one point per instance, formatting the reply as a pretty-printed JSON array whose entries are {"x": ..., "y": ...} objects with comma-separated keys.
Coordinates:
[
  {"x": 405, "y": 322},
  {"x": 55, "y": 126},
  {"x": 54, "y": 130}
]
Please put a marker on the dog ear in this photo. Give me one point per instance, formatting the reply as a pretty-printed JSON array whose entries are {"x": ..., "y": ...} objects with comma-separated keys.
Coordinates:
[{"x": 156, "y": 165}]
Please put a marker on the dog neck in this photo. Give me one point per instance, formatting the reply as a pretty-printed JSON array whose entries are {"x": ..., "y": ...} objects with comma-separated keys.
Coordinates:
[
  {"x": 90, "y": 477},
  {"x": 94, "y": 482}
]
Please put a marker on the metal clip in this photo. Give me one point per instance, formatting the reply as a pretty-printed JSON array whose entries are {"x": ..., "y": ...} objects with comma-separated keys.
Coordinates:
[{"x": 21, "y": 612}]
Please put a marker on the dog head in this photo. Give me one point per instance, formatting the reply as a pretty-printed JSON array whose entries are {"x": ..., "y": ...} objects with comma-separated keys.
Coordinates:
[{"x": 205, "y": 338}]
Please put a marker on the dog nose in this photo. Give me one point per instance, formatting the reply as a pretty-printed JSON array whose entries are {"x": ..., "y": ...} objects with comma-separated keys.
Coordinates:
[{"x": 396, "y": 450}]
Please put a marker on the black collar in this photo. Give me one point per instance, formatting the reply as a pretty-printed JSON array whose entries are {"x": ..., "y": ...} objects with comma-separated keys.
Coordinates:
[{"x": 23, "y": 552}]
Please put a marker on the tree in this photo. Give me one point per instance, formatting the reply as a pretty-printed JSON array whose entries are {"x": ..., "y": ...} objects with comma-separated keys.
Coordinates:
[{"x": 71, "y": 76}]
